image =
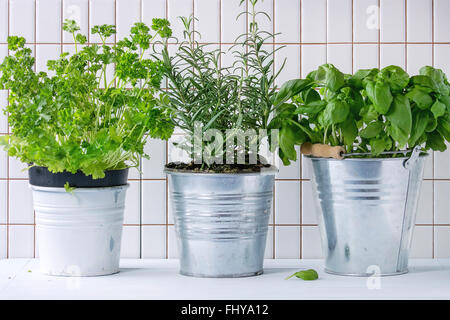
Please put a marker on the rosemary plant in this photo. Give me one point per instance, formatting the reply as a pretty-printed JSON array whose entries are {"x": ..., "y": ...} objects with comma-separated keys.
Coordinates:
[{"x": 223, "y": 110}]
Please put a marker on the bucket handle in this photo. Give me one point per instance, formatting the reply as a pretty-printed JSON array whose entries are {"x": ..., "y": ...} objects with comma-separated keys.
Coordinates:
[{"x": 409, "y": 163}]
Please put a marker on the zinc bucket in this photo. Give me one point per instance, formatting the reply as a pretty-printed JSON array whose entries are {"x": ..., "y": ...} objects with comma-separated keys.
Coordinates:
[
  {"x": 221, "y": 221},
  {"x": 79, "y": 232},
  {"x": 366, "y": 212}
]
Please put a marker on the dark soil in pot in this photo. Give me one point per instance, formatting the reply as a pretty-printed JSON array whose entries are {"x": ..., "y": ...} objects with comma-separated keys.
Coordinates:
[
  {"x": 218, "y": 168},
  {"x": 42, "y": 177}
]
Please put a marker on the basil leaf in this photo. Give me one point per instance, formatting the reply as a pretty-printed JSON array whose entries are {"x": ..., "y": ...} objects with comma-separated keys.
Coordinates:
[
  {"x": 401, "y": 119},
  {"x": 438, "y": 109},
  {"x": 306, "y": 275},
  {"x": 336, "y": 112},
  {"x": 396, "y": 77},
  {"x": 380, "y": 95},
  {"x": 349, "y": 132},
  {"x": 372, "y": 130},
  {"x": 419, "y": 125},
  {"x": 435, "y": 141},
  {"x": 290, "y": 89},
  {"x": 422, "y": 99}
]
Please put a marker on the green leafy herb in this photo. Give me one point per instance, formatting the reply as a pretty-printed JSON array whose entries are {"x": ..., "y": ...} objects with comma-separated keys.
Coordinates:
[
  {"x": 94, "y": 109},
  {"x": 371, "y": 111},
  {"x": 68, "y": 188},
  {"x": 307, "y": 275},
  {"x": 235, "y": 98}
]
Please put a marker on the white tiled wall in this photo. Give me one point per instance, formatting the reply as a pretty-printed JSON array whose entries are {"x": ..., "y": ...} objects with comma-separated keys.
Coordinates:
[{"x": 351, "y": 34}]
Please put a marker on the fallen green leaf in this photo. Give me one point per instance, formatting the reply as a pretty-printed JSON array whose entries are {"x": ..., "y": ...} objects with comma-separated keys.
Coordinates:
[{"x": 307, "y": 275}]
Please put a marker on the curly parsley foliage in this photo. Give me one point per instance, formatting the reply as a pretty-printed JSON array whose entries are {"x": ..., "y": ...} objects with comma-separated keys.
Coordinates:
[
  {"x": 371, "y": 111},
  {"x": 83, "y": 118}
]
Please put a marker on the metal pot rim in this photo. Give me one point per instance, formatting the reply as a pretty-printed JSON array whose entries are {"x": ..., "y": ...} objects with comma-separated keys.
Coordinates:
[
  {"x": 272, "y": 170},
  {"x": 365, "y": 159},
  {"x": 54, "y": 189}
]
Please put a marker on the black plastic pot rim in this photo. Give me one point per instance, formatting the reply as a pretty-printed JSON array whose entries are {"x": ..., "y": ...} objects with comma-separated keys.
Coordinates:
[{"x": 42, "y": 177}]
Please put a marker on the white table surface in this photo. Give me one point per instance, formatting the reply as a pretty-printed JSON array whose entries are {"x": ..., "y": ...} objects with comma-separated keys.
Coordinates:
[{"x": 159, "y": 279}]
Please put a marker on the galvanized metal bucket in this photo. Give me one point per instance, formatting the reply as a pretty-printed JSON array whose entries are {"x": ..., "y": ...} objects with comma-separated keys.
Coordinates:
[
  {"x": 221, "y": 221},
  {"x": 79, "y": 233},
  {"x": 366, "y": 212}
]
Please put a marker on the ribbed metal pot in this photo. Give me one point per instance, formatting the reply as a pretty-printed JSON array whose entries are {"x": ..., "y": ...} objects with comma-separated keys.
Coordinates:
[
  {"x": 221, "y": 221},
  {"x": 366, "y": 212},
  {"x": 79, "y": 233}
]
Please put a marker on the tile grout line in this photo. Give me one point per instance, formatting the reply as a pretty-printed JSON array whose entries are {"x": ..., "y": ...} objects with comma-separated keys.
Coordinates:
[
  {"x": 406, "y": 35},
  {"x": 379, "y": 34},
  {"x": 300, "y": 154},
  {"x": 7, "y": 155},
  {"x": 166, "y": 178},
  {"x": 433, "y": 155},
  {"x": 35, "y": 66}
]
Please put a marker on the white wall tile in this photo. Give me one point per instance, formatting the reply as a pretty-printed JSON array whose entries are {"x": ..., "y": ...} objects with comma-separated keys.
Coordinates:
[
  {"x": 3, "y": 20},
  {"x": 76, "y": 10},
  {"x": 340, "y": 55},
  {"x": 287, "y": 21},
  {"x": 428, "y": 167},
  {"x": 3, "y": 202},
  {"x": 290, "y": 56},
  {"x": 20, "y": 202},
  {"x": 153, "y": 242},
  {"x": 208, "y": 24},
  {"x": 176, "y": 9},
  {"x": 175, "y": 153},
  {"x": 153, "y": 9},
  {"x": 339, "y": 21},
  {"x": 311, "y": 243},
  {"x": 419, "y": 55},
  {"x": 441, "y": 21},
  {"x": 45, "y": 52},
  {"x": 287, "y": 242},
  {"x": 22, "y": 19},
  {"x": 306, "y": 168},
  {"x": 441, "y": 242},
  {"x": 128, "y": 13},
  {"x": 309, "y": 211},
  {"x": 365, "y": 20},
  {"x": 442, "y": 164},
  {"x": 3, "y": 164},
  {"x": 422, "y": 243},
  {"x": 131, "y": 238},
  {"x": 133, "y": 203},
  {"x": 3, "y": 117},
  {"x": 392, "y": 54},
  {"x": 287, "y": 202},
  {"x": 17, "y": 169},
  {"x": 268, "y": 252},
  {"x": 21, "y": 241},
  {"x": 153, "y": 202},
  {"x": 392, "y": 20},
  {"x": 264, "y": 23},
  {"x": 231, "y": 26},
  {"x": 312, "y": 57},
  {"x": 291, "y": 171},
  {"x": 154, "y": 167},
  {"x": 442, "y": 202},
  {"x": 48, "y": 21},
  {"x": 314, "y": 15},
  {"x": 365, "y": 56},
  {"x": 101, "y": 12},
  {"x": 441, "y": 54},
  {"x": 172, "y": 245},
  {"x": 3, "y": 242},
  {"x": 419, "y": 14},
  {"x": 425, "y": 206}
]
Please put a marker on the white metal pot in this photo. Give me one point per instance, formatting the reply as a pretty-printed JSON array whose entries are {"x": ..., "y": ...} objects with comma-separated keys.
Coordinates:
[{"x": 79, "y": 233}]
